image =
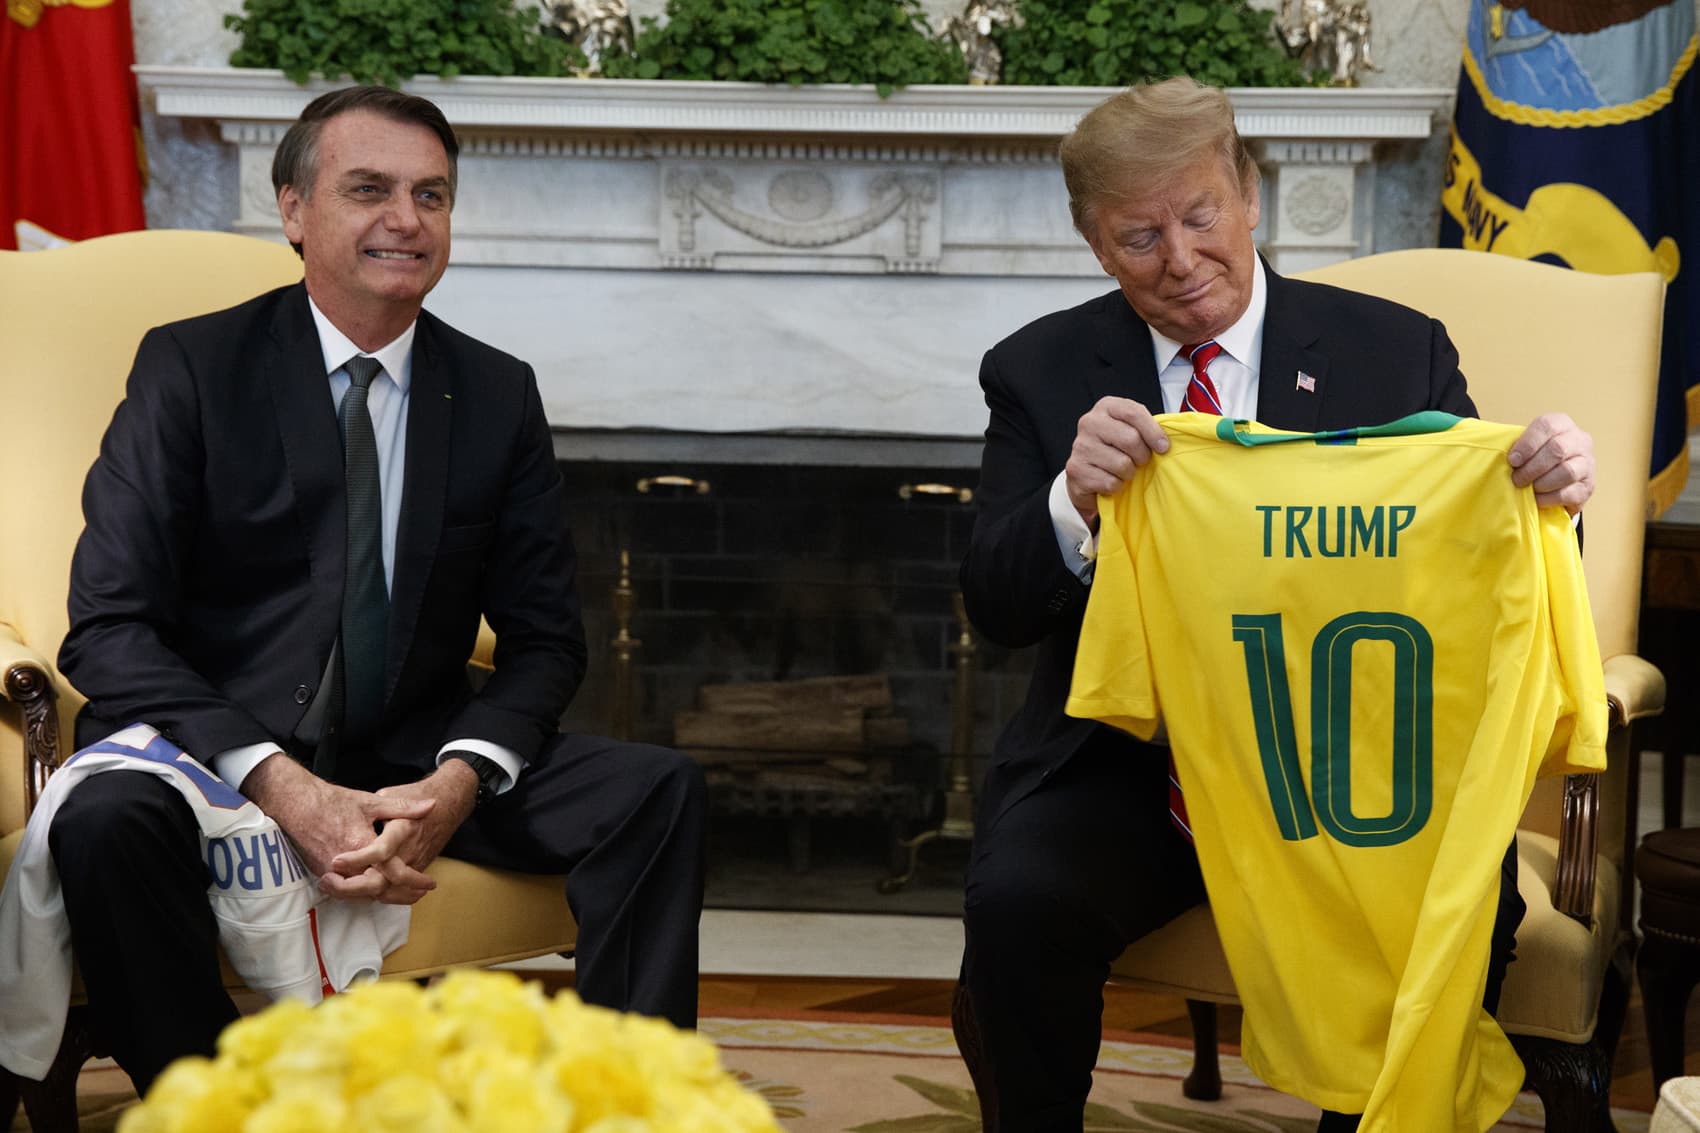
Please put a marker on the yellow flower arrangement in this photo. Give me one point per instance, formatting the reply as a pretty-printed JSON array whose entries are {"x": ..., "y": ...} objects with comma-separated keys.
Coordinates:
[{"x": 477, "y": 1052}]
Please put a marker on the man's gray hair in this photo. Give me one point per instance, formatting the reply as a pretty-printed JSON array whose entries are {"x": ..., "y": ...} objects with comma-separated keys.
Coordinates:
[{"x": 1145, "y": 135}]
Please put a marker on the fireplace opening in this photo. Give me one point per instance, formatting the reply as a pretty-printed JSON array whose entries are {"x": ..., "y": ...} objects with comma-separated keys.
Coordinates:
[{"x": 734, "y": 607}]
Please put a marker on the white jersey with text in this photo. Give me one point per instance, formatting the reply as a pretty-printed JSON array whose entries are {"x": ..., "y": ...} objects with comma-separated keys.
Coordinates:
[{"x": 279, "y": 932}]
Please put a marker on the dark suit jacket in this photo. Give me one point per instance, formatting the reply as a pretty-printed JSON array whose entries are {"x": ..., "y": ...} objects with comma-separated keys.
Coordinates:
[
  {"x": 1373, "y": 362},
  {"x": 206, "y": 588}
]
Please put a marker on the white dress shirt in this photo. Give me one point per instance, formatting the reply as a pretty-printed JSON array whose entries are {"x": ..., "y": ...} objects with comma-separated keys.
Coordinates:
[
  {"x": 1234, "y": 374},
  {"x": 387, "y": 403}
]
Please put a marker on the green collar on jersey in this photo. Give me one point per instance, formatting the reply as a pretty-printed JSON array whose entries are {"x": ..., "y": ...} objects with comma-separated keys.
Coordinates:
[{"x": 1428, "y": 421}]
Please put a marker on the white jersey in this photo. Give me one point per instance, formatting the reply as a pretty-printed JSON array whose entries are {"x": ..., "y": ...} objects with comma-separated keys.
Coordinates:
[{"x": 281, "y": 934}]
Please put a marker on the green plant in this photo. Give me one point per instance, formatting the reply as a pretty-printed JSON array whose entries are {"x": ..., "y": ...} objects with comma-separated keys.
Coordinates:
[
  {"x": 884, "y": 42},
  {"x": 386, "y": 41},
  {"x": 1225, "y": 43}
]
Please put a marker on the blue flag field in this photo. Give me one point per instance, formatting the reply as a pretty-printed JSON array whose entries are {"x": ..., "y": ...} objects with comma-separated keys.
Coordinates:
[{"x": 1576, "y": 141}]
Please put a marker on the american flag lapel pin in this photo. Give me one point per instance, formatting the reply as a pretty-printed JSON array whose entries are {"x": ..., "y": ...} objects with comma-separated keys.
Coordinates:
[{"x": 1305, "y": 382}]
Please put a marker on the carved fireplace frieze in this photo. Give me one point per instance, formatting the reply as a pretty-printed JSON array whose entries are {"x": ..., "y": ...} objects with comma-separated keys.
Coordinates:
[{"x": 783, "y": 216}]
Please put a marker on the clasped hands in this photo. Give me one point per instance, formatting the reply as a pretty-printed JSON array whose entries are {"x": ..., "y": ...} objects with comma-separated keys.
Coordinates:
[
  {"x": 361, "y": 843},
  {"x": 1553, "y": 455}
]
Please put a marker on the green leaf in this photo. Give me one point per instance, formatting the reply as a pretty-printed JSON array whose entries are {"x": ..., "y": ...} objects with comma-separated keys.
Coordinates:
[
  {"x": 1103, "y": 1118},
  {"x": 1196, "y": 1121},
  {"x": 957, "y": 1099},
  {"x": 922, "y": 1123},
  {"x": 884, "y": 42},
  {"x": 1225, "y": 42},
  {"x": 1286, "y": 1124}
]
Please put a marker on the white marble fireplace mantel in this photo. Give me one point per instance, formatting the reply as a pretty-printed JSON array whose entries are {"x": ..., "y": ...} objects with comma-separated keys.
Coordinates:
[{"x": 730, "y": 257}]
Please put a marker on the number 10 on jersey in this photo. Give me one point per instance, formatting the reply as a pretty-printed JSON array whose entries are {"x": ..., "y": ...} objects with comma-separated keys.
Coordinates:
[{"x": 1329, "y": 801}]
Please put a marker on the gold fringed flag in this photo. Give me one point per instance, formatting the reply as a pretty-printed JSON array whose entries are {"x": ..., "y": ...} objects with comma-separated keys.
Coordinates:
[
  {"x": 1576, "y": 141},
  {"x": 70, "y": 153}
]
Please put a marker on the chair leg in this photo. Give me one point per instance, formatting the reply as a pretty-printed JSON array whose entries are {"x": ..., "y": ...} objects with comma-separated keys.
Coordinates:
[
  {"x": 966, "y": 1027},
  {"x": 1204, "y": 1083},
  {"x": 51, "y": 1103},
  {"x": 1573, "y": 1082},
  {"x": 1667, "y": 970},
  {"x": 1574, "y": 1079}
]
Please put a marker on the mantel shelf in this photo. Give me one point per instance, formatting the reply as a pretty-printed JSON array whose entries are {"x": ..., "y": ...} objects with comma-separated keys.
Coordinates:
[{"x": 836, "y": 109}]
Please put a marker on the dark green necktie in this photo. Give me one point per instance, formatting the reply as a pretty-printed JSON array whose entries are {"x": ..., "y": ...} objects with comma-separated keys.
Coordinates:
[{"x": 365, "y": 601}]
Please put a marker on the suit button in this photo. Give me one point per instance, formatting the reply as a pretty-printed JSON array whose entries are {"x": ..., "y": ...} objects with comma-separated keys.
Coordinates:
[{"x": 303, "y": 694}]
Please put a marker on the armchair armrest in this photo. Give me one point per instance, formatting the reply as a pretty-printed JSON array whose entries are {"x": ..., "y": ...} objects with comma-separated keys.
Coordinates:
[
  {"x": 26, "y": 679},
  {"x": 1634, "y": 689}
]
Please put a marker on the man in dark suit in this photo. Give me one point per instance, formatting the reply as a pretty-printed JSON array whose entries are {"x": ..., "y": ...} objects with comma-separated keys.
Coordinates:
[
  {"x": 307, "y": 633},
  {"x": 1076, "y": 855}
]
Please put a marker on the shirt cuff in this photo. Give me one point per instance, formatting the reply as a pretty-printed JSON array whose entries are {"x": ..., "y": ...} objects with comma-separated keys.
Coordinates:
[
  {"x": 510, "y": 762},
  {"x": 233, "y": 765},
  {"x": 1076, "y": 541}
]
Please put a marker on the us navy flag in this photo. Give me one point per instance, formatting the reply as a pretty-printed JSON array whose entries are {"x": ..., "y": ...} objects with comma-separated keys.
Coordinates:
[{"x": 1576, "y": 141}]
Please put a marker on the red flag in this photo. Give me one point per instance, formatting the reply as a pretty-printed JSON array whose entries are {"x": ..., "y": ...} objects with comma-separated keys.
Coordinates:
[{"x": 70, "y": 152}]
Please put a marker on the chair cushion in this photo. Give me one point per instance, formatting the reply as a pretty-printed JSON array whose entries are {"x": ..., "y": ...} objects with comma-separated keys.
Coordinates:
[
  {"x": 1678, "y": 1110},
  {"x": 1668, "y": 865},
  {"x": 1184, "y": 957},
  {"x": 483, "y": 916},
  {"x": 1552, "y": 989}
]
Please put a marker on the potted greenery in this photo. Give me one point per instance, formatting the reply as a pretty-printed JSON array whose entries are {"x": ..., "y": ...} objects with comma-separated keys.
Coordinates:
[
  {"x": 882, "y": 42},
  {"x": 387, "y": 41},
  {"x": 1120, "y": 42}
]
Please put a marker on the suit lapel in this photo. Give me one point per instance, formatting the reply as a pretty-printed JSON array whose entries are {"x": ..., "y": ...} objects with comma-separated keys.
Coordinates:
[
  {"x": 294, "y": 370},
  {"x": 1292, "y": 378},
  {"x": 1125, "y": 366},
  {"x": 430, "y": 417}
]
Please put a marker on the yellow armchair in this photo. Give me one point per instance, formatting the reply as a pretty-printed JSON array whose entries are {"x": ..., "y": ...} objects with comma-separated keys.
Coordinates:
[
  {"x": 70, "y": 324},
  {"x": 1532, "y": 339}
]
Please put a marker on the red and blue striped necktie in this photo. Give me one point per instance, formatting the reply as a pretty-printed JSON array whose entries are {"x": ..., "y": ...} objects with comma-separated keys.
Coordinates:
[
  {"x": 1201, "y": 397},
  {"x": 1201, "y": 391}
]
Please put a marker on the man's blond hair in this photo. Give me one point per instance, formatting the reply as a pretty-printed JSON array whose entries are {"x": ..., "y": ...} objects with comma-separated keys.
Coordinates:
[{"x": 1144, "y": 136}]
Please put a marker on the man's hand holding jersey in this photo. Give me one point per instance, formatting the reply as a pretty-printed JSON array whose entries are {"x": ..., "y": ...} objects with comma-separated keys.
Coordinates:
[
  {"x": 1118, "y": 435},
  {"x": 1556, "y": 457}
]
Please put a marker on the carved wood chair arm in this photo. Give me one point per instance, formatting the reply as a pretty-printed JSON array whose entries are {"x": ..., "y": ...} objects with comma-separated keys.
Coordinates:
[
  {"x": 26, "y": 679},
  {"x": 1573, "y": 883},
  {"x": 1634, "y": 689}
]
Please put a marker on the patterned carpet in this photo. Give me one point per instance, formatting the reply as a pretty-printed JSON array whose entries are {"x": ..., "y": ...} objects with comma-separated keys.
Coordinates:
[{"x": 897, "y": 1075}]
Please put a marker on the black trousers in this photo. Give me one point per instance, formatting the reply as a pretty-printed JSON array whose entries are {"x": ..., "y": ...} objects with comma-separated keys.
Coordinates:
[
  {"x": 626, "y": 821},
  {"x": 1059, "y": 884}
]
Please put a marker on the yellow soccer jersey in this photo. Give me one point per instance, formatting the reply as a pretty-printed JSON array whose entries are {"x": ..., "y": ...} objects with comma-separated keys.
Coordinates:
[{"x": 1365, "y": 646}]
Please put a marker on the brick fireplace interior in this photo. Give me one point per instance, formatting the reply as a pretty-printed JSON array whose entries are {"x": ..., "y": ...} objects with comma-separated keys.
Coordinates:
[{"x": 777, "y": 572}]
